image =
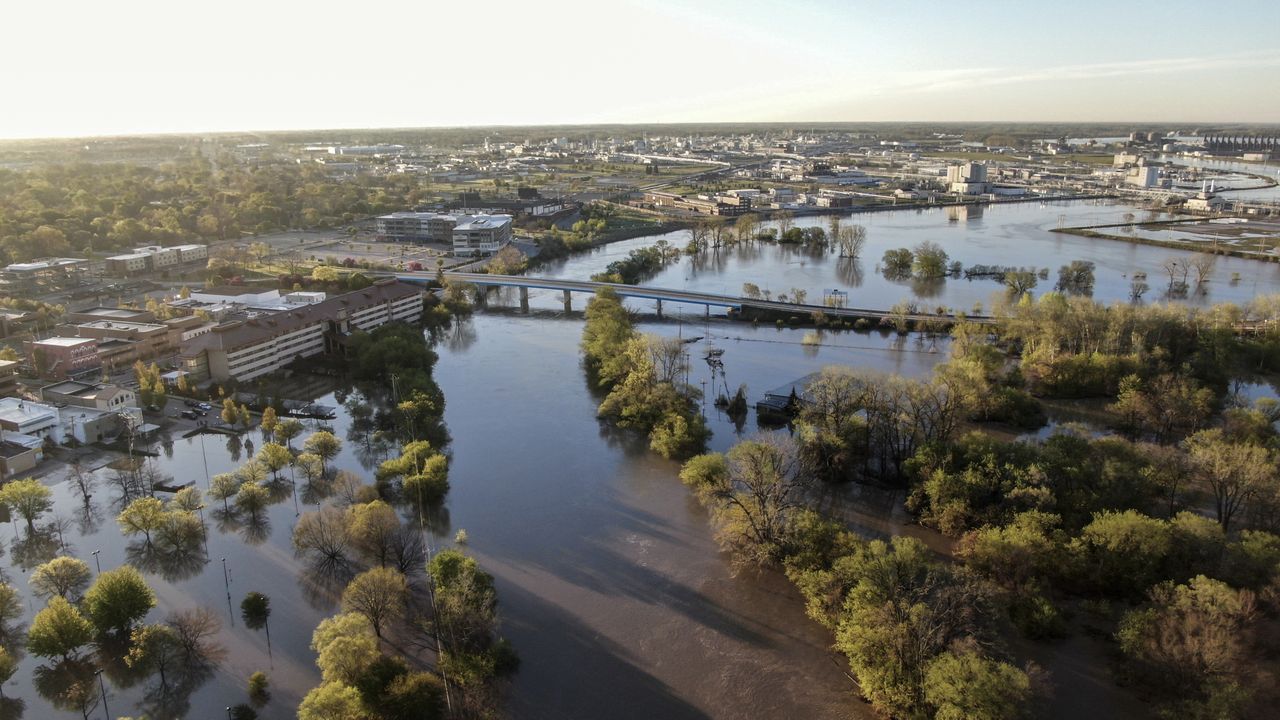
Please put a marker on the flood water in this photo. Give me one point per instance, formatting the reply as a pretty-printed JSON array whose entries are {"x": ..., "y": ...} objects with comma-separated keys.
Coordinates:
[
  {"x": 610, "y": 584},
  {"x": 1015, "y": 234}
]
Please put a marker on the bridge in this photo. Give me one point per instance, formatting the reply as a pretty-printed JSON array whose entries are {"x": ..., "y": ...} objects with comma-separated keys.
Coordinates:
[{"x": 661, "y": 295}]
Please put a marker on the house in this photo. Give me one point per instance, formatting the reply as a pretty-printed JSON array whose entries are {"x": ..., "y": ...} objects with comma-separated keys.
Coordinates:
[{"x": 29, "y": 418}]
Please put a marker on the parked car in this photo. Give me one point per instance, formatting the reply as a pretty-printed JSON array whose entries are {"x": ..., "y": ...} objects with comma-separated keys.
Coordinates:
[
  {"x": 191, "y": 403},
  {"x": 190, "y": 414},
  {"x": 205, "y": 407}
]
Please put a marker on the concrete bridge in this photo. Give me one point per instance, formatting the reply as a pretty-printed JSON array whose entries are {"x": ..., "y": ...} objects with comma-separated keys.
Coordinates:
[{"x": 663, "y": 295}]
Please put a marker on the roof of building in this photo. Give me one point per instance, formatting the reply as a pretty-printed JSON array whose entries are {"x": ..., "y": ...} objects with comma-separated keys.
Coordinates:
[
  {"x": 64, "y": 341},
  {"x": 18, "y": 411},
  {"x": 122, "y": 325},
  {"x": 113, "y": 313},
  {"x": 131, "y": 256},
  {"x": 482, "y": 222},
  {"x": 87, "y": 391},
  {"x": 232, "y": 336}
]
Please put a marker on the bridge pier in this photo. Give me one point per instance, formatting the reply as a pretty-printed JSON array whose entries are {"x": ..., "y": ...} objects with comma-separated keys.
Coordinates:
[
  {"x": 568, "y": 301},
  {"x": 659, "y": 302},
  {"x": 524, "y": 299}
]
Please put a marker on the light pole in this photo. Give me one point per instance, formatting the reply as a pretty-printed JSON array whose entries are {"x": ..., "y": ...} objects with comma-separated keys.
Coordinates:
[
  {"x": 226, "y": 579},
  {"x": 103, "y": 687},
  {"x": 96, "y": 561}
]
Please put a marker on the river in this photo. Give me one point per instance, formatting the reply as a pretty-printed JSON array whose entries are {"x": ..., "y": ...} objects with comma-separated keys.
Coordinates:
[{"x": 1011, "y": 234}]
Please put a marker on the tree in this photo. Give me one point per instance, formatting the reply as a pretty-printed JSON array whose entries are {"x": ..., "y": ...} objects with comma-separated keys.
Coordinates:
[
  {"x": 144, "y": 515},
  {"x": 332, "y": 701},
  {"x": 8, "y": 666},
  {"x": 1193, "y": 641},
  {"x": 242, "y": 414},
  {"x": 118, "y": 599},
  {"x": 930, "y": 260},
  {"x": 269, "y": 421},
  {"x": 154, "y": 648},
  {"x": 1020, "y": 282},
  {"x": 324, "y": 445},
  {"x": 378, "y": 594},
  {"x": 274, "y": 457},
  {"x": 58, "y": 631},
  {"x": 224, "y": 486},
  {"x": 193, "y": 629},
  {"x": 256, "y": 610},
  {"x": 323, "y": 535},
  {"x": 372, "y": 527},
  {"x": 259, "y": 692},
  {"x": 11, "y": 607},
  {"x": 1076, "y": 278},
  {"x": 430, "y": 485},
  {"x": 252, "y": 499},
  {"x": 967, "y": 686},
  {"x": 286, "y": 430},
  {"x": 756, "y": 500},
  {"x": 1234, "y": 472},
  {"x": 64, "y": 577},
  {"x": 1166, "y": 405},
  {"x": 28, "y": 498},
  {"x": 1122, "y": 553},
  {"x": 851, "y": 240},
  {"x": 897, "y": 263},
  {"x": 414, "y": 696},
  {"x": 230, "y": 413}
]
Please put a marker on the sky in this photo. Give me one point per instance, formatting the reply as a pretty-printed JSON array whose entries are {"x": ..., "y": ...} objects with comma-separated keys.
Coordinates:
[{"x": 78, "y": 68}]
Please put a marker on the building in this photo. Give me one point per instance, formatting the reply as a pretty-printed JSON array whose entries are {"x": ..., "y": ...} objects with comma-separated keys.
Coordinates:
[
  {"x": 19, "y": 453},
  {"x": 246, "y": 349},
  {"x": 99, "y": 396},
  {"x": 64, "y": 357},
  {"x": 967, "y": 179},
  {"x": 481, "y": 234},
  {"x": 1143, "y": 176},
  {"x": 8, "y": 376},
  {"x": 153, "y": 258},
  {"x": 29, "y": 418},
  {"x": 94, "y": 314},
  {"x": 416, "y": 227},
  {"x": 132, "y": 341}
]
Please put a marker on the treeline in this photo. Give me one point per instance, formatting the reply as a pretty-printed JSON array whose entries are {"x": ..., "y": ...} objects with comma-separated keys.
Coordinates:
[
  {"x": 1164, "y": 536},
  {"x": 64, "y": 209},
  {"x": 644, "y": 376}
]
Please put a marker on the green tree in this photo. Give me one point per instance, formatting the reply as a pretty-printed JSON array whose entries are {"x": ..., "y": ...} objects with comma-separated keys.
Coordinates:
[
  {"x": 929, "y": 261},
  {"x": 324, "y": 445},
  {"x": 275, "y": 457},
  {"x": 1234, "y": 472},
  {"x": 256, "y": 610},
  {"x": 8, "y": 666},
  {"x": 154, "y": 649},
  {"x": 224, "y": 486},
  {"x": 1193, "y": 642},
  {"x": 269, "y": 422},
  {"x": 230, "y": 413},
  {"x": 259, "y": 688},
  {"x": 332, "y": 701},
  {"x": 64, "y": 577},
  {"x": 967, "y": 686},
  {"x": 286, "y": 430},
  {"x": 252, "y": 499},
  {"x": 378, "y": 594},
  {"x": 373, "y": 527},
  {"x": 58, "y": 631},
  {"x": 1122, "y": 553},
  {"x": 28, "y": 498},
  {"x": 144, "y": 515},
  {"x": 118, "y": 599}
]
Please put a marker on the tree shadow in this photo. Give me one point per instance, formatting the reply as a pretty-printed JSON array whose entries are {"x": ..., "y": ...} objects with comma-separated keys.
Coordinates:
[
  {"x": 257, "y": 528},
  {"x": 12, "y": 708},
  {"x": 179, "y": 563},
  {"x": 70, "y": 685},
  {"x": 849, "y": 270},
  {"x": 36, "y": 548},
  {"x": 322, "y": 582}
]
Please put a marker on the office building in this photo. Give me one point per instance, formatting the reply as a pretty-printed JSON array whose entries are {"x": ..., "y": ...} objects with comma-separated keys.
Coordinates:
[
  {"x": 481, "y": 234},
  {"x": 63, "y": 357}
]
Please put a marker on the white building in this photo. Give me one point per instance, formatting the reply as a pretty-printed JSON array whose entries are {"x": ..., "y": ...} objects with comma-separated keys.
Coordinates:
[
  {"x": 967, "y": 179},
  {"x": 481, "y": 234},
  {"x": 29, "y": 418},
  {"x": 1143, "y": 176}
]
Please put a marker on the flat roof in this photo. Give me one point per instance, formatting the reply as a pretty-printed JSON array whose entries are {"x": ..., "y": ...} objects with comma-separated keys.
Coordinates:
[
  {"x": 64, "y": 341},
  {"x": 480, "y": 222},
  {"x": 121, "y": 325}
]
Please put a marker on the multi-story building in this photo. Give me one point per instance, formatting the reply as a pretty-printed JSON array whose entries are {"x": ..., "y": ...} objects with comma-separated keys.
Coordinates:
[
  {"x": 417, "y": 227},
  {"x": 246, "y": 349},
  {"x": 153, "y": 258},
  {"x": 481, "y": 234},
  {"x": 63, "y": 357},
  {"x": 147, "y": 340}
]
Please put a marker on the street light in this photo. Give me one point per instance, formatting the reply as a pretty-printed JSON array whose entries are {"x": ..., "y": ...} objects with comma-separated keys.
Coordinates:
[
  {"x": 96, "y": 561},
  {"x": 103, "y": 687}
]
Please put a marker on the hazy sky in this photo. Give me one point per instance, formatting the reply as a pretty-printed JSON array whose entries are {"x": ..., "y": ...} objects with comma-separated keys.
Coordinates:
[{"x": 73, "y": 67}]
